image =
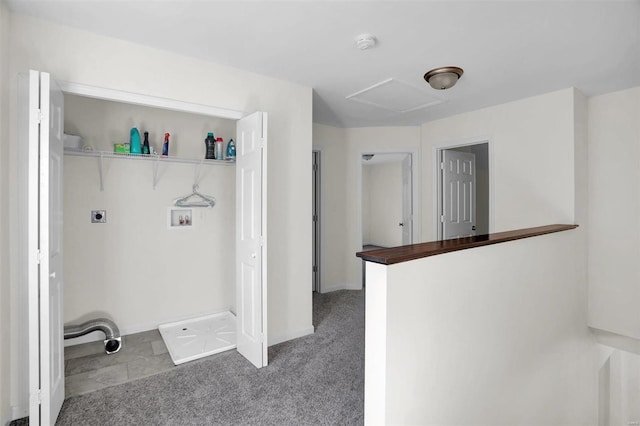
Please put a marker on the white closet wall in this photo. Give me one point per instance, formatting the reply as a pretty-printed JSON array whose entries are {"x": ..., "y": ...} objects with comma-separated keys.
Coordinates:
[
  {"x": 133, "y": 268},
  {"x": 103, "y": 123}
]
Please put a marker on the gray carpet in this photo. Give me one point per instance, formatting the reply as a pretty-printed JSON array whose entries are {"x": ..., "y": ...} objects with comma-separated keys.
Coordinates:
[{"x": 314, "y": 380}]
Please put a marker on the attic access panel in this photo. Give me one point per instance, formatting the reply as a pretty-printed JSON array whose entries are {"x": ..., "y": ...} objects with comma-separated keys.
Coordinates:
[{"x": 394, "y": 95}]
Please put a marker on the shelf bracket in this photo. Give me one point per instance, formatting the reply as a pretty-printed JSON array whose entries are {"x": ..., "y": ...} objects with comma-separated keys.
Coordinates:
[
  {"x": 156, "y": 167},
  {"x": 101, "y": 171},
  {"x": 196, "y": 173},
  {"x": 155, "y": 159}
]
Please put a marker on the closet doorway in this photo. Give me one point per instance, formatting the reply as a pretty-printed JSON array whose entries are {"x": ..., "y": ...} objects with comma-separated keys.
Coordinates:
[
  {"x": 41, "y": 113},
  {"x": 386, "y": 200}
]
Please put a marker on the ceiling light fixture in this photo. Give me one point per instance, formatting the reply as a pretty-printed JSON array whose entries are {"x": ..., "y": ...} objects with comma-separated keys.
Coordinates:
[
  {"x": 444, "y": 77},
  {"x": 365, "y": 41}
]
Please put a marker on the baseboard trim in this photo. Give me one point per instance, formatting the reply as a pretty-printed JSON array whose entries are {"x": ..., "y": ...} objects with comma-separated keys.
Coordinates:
[
  {"x": 274, "y": 340},
  {"x": 337, "y": 287}
]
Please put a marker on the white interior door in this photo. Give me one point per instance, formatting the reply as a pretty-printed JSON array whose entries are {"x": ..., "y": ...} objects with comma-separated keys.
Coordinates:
[
  {"x": 458, "y": 216},
  {"x": 251, "y": 282},
  {"x": 44, "y": 229},
  {"x": 407, "y": 202}
]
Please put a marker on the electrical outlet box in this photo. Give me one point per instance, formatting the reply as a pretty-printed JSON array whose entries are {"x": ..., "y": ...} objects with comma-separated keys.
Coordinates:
[{"x": 98, "y": 216}]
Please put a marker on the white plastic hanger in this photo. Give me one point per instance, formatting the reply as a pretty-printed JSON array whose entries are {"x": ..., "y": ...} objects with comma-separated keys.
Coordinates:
[{"x": 199, "y": 200}]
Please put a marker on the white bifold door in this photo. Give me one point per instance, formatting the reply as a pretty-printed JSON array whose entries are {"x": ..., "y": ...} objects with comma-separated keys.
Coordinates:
[
  {"x": 251, "y": 269},
  {"x": 458, "y": 216},
  {"x": 41, "y": 139}
]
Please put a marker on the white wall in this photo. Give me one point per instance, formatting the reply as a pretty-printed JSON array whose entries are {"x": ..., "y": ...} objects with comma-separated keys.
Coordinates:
[
  {"x": 532, "y": 185},
  {"x": 536, "y": 368},
  {"x": 4, "y": 212},
  {"x": 81, "y": 57},
  {"x": 384, "y": 209},
  {"x": 619, "y": 386},
  {"x": 471, "y": 346},
  {"x": 103, "y": 123},
  {"x": 614, "y": 209},
  {"x": 342, "y": 151},
  {"x": 134, "y": 269}
]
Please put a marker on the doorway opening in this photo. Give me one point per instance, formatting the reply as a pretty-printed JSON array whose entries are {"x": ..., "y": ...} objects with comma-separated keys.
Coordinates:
[
  {"x": 462, "y": 176},
  {"x": 388, "y": 189},
  {"x": 41, "y": 118}
]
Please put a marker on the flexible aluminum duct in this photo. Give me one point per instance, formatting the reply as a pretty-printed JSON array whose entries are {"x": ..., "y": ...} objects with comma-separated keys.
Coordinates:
[{"x": 112, "y": 342}]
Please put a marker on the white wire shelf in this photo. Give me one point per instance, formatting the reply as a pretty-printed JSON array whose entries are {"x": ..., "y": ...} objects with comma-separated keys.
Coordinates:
[
  {"x": 156, "y": 161},
  {"x": 148, "y": 157}
]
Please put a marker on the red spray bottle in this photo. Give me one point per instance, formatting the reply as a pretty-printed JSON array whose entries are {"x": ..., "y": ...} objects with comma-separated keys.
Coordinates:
[{"x": 165, "y": 146}]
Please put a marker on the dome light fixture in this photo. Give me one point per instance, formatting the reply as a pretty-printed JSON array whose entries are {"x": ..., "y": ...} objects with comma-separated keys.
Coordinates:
[{"x": 444, "y": 77}]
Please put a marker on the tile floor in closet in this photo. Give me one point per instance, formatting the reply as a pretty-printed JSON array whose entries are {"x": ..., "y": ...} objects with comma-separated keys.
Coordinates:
[{"x": 89, "y": 368}]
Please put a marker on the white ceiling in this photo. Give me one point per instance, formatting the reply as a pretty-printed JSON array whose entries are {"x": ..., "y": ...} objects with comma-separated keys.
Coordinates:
[{"x": 508, "y": 49}]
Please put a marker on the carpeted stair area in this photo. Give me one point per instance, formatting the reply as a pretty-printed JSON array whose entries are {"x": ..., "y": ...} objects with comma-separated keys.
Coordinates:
[{"x": 313, "y": 380}]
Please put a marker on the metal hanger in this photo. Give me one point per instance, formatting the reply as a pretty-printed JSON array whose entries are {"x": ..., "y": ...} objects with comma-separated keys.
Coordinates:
[{"x": 200, "y": 200}]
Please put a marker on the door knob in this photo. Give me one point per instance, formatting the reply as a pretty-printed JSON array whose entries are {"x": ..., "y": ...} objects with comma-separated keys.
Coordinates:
[
  {"x": 253, "y": 255},
  {"x": 401, "y": 224},
  {"x": 52, "y": 275}
]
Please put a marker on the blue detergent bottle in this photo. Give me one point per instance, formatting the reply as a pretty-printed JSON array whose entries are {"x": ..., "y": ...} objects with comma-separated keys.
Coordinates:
[
  {"x": 134, "y": 142},
  {"x": 231, "y": 150}
]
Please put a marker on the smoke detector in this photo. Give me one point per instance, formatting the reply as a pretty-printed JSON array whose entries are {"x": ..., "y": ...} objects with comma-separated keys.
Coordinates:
[{"x": 365, "y": 41}]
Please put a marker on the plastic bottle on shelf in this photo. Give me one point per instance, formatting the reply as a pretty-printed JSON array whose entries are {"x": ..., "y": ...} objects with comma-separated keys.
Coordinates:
[
  {"x": 219, "y": 143},
  {"x": 165, "y": 146},
  {"x": 209, "y": 143},
  {"x": 134, "y": 141},
  {"x": 231, "y": 150},
  {"x": 145, "y": 144}
]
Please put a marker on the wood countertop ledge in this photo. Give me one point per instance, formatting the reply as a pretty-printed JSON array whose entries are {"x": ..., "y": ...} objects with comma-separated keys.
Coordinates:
[{"x": 389, "y": 256}]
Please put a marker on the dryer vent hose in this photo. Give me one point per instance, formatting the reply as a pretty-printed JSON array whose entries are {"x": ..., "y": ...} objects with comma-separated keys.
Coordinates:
[{"x": 112, "y": 341}]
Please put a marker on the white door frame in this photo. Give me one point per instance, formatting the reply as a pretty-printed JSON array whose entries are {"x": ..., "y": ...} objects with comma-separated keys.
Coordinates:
[
  {"x": 415, "y": 191},
  {"x": 437, "y": 178},
  {"x": 22, "y": 405},
  {"x": 317, "y": 239}
]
